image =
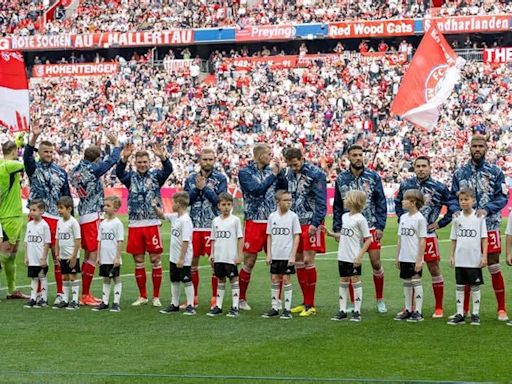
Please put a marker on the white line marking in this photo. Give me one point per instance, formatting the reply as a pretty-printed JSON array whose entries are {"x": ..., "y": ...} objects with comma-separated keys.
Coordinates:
[{"x": 258, "y": 261}]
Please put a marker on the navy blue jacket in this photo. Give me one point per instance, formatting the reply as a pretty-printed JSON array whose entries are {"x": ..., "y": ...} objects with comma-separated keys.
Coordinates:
[
  {"x": 436, "y": 195},
  {"x": 488, "y": 183},
  {"x": 370, "y": 183}
]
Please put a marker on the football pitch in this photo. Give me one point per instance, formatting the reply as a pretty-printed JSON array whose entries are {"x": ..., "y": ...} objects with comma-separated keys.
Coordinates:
[{"x": 140, "y": 345}]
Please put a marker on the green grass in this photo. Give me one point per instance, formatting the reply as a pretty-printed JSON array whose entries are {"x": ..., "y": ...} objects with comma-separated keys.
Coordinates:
[{"x": 129, "y": 347}]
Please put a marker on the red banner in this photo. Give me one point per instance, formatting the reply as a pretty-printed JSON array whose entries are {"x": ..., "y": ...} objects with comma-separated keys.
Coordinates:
[
  {"x": 98, "y": 40},
  {"x": 498, "y": 55},
  {"x": 265, "y": 32},
  {"x": 428, "y": 82},
  {"x": 378, "y": 28},
  {"x": 85, "y": 69},
  {"x": 295, "y": 61},
  {"x": 14, "y": 98},
  {"x": 469, "y": 24}
]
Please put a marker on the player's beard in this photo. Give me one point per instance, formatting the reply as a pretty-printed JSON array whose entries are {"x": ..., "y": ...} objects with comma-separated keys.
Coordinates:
[
  {"x": 357, "y": 167},
  {"x": 478, "y": 161}
]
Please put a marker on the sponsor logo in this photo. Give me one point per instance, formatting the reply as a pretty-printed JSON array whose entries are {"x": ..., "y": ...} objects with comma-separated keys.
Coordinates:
[
  {"x": 266, "y": 32},
  {"x": 466, "y": 233},
  {"x": 34, "y": 239},
  {"x": 175, "y": 233},
  {"x": 277, "y": 231},
  {"x": 498, "y": 55},
  {"x": 64, "y": 236},
  {"x": 347, "y": 232},
  {"x": 222, "y": 234},
  {"x": 407, "y": 232},
  {"x": 434, "y": 81},
  {"x": 107, "y": 236}
]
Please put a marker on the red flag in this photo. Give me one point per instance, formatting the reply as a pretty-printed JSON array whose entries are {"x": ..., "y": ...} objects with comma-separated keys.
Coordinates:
[
  {"x": 14, "y": 99},
  {"x": 429, "y": 81}
]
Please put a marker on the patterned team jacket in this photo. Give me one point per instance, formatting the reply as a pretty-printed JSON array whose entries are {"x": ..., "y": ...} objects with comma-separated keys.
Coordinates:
[
  {"x": 370, "y": 183},
  {"x": 86, "y": 179},
  {"x": 203, "y": 203},
  {"x": 259, "y": 189},
  {"x": 488, "y": 183},
  {"x": 436, "y": 195},
  {"x": 48, "y": 182}
]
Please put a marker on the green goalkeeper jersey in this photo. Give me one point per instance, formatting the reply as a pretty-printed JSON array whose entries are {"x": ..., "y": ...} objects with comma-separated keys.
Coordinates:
[{"x": 10, "y": 188}]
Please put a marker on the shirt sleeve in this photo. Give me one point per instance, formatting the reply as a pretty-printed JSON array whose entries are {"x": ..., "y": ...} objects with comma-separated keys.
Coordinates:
[
  {"x": 509, "y": 224},
  {"x": 453, "y": 231},
  {"x": 363, "y": 225},
  {"x": 239, "y": 233},
  {"x": 297, "y": 230},
  {"x": 483, "y": 228},
  {"x": 76, "y": 230},
  {"x": 422, "y": 228},
  {"x": 187, "y": 230},
  {"x": 120, "y": 232},
  {"x": 99, "y": 232},
  {"x": 399, "y": 225},
  {"x": 214, "y": 232},
  {"x": 171, "y": 217},
  {"x": 269, "y": 225},
  {"x": 47, "y": 235}
]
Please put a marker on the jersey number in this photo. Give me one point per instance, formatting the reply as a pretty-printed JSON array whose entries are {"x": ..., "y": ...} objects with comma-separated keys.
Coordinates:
[
  {"x": 430, "y": 249},
  {"x": 156, "y": 241}
]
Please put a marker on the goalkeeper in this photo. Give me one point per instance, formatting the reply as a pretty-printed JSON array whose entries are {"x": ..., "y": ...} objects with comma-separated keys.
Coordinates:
[{"x": 11, "y": 214}]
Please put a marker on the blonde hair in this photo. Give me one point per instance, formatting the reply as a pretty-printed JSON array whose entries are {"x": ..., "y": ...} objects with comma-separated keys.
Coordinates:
[
  {"x": 465, "y": 191},
  {"x": 280, "y": 193},
  {"x": 356, "y": 200},
  {"x": 415, "y": 196},
  {"x": 116, "y": 201},
  {"x": 181, "y": 198},
  {"x": 259, "y": 149}
]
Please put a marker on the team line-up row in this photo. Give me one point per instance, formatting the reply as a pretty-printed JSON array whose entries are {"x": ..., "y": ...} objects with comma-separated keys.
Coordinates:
[
  {"x": 283, "y": 229},
  {"x": 260, "y": 181}
]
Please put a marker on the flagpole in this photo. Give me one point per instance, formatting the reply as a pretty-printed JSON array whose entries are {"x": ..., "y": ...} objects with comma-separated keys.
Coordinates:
[{"x": 377, "y": 149}]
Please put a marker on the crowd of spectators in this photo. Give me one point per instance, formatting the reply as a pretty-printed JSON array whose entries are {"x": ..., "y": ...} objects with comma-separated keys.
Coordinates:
[
  {"x": 138, "y": 15},
  {"x": 475, "y": 7},
  {"x": 325, "y": 107},
  {"x": 21, "y": 16}
]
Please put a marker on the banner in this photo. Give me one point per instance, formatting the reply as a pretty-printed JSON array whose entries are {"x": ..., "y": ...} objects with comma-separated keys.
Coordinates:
[
  {"x": 429, "y": 81},
  {"x": 265, "y": 32},
  {"x": 83, "y": 69},
  {"x": 469, "y": 24},
  {"x": 98, "y": 40},
  {"x": 379, "y": 28},
  {"x": 173, "y": 66},
  {"x": 498, "y": 55},
  {"x": 296, "y": 61},
  {"x": 14, "y": 99}
]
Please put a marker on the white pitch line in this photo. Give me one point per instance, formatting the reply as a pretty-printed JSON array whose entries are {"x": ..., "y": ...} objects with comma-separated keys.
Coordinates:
[{"x": 258, "y": 261}]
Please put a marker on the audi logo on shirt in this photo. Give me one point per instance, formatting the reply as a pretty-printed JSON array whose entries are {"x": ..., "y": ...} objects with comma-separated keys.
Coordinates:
[
  {"x": 64, "y": 236},
  {"x": 222, "y": 234},
  {"x": 107, "y": 236},
  {"x": 34, "y": 239},
  {"x": 277, "y": 231},
  {"x": 407, "y": 232},
  {"x": 466, "y": 233},
  {"x": 347, "y": 232},
  {"x": 175, "y": 233}
]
